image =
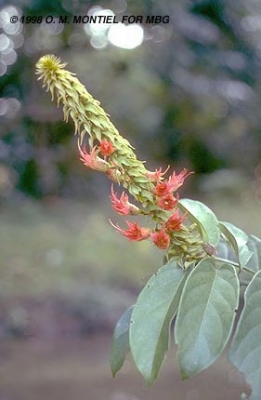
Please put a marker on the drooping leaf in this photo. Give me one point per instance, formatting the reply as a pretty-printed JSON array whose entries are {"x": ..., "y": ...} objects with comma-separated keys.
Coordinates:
[
  {"x": 205, "y": 219},
  {"x": 245, "y": 351},
  {"x": 150, "y": 322},
  {"x": 238, "y": 240},
  {"x": 206, "y": 315},
  {"x": 120, "y": 343},
  {"x": 225, "y": 250},
  {"x": 254, "y": 245}
]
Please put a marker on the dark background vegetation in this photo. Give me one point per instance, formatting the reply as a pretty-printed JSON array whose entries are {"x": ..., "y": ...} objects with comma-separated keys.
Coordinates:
[{"x": 188, "y": 96}]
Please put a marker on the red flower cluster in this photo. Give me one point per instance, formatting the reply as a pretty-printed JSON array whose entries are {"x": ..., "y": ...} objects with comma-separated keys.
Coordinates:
[
  {"x": 164, "y": 199},
  {"x": 164, "y": 189},
  {"x": 163, "y": 192},
  {"x": 161, "y": 238}
]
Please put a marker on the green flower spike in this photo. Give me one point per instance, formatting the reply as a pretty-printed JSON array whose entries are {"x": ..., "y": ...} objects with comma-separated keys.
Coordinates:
[
  {"x": 90, "y": 118},
  {"x": 109, "y": 152}
]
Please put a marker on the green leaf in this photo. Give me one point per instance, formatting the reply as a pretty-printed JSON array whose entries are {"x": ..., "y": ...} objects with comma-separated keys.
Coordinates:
[
  {"x": 205, "y": 219},
  {"x": 245, "y": 351},
  {"x": 225, "y": 251},
  {"x": 150, "y": 322},
  {"x": 120, "y": 343},
  {"x": 238, "y": 240},
  {"x": 206, "y": 315},
  {"x": 254, "y": 245}
]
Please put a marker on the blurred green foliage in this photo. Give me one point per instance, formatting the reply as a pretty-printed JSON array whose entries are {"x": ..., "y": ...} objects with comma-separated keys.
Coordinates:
[
  {"x": 189, "y": 95},
  {"x": 50, "y": 248}
]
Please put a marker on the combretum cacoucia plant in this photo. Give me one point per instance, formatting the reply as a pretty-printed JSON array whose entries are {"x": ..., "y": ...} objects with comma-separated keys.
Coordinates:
[{"x": 207, "y": 263}]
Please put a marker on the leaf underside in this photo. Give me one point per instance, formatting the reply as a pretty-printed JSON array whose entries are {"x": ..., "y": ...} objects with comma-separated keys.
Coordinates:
[
  {"x": 150, "y": 322},
  {"x": 205, "y": 219},
  {"x": 120, "y": 343},
  {"x": 245, "y": 351},
  {"x": 206, "y": 315},
  {"x": 238, "y": 240},
  {"x": 254, "y": 245}
]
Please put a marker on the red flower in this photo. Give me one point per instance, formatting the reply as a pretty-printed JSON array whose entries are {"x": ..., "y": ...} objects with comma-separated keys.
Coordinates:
[
  {"x": 157, "y": 174},
  {"x": 134, "y": 233},
  {"x": 106, "y": 148},
  {"x": 168, "y": 202},
  {"x": 121, "y": 205},
  {"x": 174, "y": 222},
  {"x": 166, "y": 187},
  {"x": 161, "y": 239},
  {"x": 175, "y": 181},
  {"x": 162, "y": 189},
  {"x": 92, "y": 160}
]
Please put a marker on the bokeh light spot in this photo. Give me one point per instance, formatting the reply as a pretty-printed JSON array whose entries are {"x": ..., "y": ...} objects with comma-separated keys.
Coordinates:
[{"x": 126, "y": 36}]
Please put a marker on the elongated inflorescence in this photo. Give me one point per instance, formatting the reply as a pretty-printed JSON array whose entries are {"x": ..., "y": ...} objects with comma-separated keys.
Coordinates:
[{"x": 112, "y": 154}]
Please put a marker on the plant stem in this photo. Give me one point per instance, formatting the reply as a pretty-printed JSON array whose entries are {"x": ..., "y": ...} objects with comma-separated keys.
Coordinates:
[
  {"x": 235, "y": 265},
  {"x": 227, "y": 261}
]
